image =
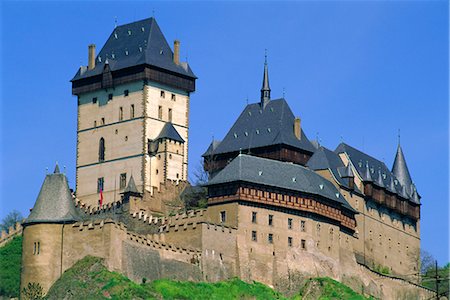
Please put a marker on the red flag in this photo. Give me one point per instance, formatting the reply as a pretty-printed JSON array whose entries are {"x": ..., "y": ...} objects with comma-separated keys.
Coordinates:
[{"x": 101, "y": 197}]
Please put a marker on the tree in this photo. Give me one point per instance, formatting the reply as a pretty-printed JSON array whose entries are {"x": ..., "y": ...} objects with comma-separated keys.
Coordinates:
[
  {"x": 33, "y": 291},
  {"x": 426, "y": 261},
  {"x": 11, "y": 219}
]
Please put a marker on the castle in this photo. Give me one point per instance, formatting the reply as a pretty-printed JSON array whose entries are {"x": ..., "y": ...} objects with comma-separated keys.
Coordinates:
[{"x": 280, "y": 207}]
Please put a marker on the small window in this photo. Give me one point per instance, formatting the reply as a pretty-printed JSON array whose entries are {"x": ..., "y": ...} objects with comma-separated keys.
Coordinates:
[
  {"x": 289, "y": 223},
  {"x": 95, "y": 123},
  {"x": 132, "y": 111},
  {"x": 303, "y": 244},
  {"x": 110, "y": 96},
  {"x": 163, "y": 94},
  {"x": 178, "y": 175},
  {"x": 170, "y": 156},
  {"x": 223, "y": 216},
  {"x": 254, "y": 238},
  {"x": 160, "y": 112},
  {"x": 103, "y": 121},
  {"x": 125, "y": 93},
  {"x": 254, "y": 217},
  {"x": 173, "y": 97},
  {"x": 318, "y": 228},
  {"x": 157, "y": 171},
  {"x": 123, "y": 180},
  {"x": 270, "y": 238},
  {"x": 100, "y": 184},
  {"x": 270, "y": 220},
  {"x": 94, "y": 100},
  {"x": 289, "y": 241},
  {"x": 170, "y": 115},
  {"x": 101, "y": 150},
  {"x": 120, "y": 113},
  {"x": 302, "y": 226}
]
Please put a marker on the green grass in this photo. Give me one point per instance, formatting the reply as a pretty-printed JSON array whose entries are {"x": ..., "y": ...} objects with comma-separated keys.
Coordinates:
[
  {"x": 10, "y": 262},
  {"x": 89, "y": 279}
]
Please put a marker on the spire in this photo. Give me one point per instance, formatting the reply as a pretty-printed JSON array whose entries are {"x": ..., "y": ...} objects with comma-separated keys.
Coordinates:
[
  {"x": 391, "y": 186},
  {"x": 367, "y": 176},
  {"x": 131, "y": 187},
  {"x": 265, "y": 90},
  {"x": 348, "y": 173},
  {"x": 379, "y": 181},
  {"x": 400, "y": 170},
  {"x": 415, "y": 198},
  {"x": 56, "y": 171}
]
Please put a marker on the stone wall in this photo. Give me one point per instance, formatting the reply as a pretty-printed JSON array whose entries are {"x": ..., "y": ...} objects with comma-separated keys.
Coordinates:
[{"x": 13, "y": 231}]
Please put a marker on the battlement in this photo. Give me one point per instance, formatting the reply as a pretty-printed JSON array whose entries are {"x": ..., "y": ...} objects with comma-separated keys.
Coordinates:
[
  {"x": 97, "y": 209},
  {"x": 13, "y": 231},
  {"x": 193, "y": 225}
]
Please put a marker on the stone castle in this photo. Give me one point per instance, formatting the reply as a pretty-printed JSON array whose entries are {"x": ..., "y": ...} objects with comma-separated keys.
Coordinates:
[{"x": 280, "y": 207}]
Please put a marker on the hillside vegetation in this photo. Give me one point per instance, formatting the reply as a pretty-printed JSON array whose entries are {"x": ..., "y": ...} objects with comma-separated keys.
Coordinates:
[
  {"x": 10, "y": 261},
  {"x": 88, "y": 278}
]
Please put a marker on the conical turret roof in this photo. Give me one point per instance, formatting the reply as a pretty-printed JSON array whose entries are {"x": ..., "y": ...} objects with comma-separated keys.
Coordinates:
[
  {"x": 54, "y": 203},
  {"x": 379, "y": 180},
  {"x": 131, "y": 187},
  {"x": 400, "y": 170},
  {"x": 367, "y": 176}
]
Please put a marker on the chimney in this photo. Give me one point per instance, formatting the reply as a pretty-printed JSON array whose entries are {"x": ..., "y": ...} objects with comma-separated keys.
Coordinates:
[
  {"x": 176, "y": 52},
  {"x": 91, "y": 56},
  {"x": 297, "y": 128}
]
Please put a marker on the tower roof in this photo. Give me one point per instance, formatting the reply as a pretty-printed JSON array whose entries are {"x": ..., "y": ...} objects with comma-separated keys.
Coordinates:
[
  {"x": 264, "y": 126},
  {"x": 169, "y": 132},
  {"x": 131, "y": 186},
  {"x": 400, "y": 170},
  {"x": 54, "y": 203},
  {"x": 366, "y": 175},
  {"x": 133, "y": 44}
]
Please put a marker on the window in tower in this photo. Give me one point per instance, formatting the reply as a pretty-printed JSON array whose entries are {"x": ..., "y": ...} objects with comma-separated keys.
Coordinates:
[
  {"x": 123, "y": 180},
  {"x": 270, "y": 238},
  {"x": 101, "y": 149},
  {"x": 103, "y": 121},
  {"x": 270, "y": 220},
  {"x": 100, "y": 184},
  {"x": 95, "y": 123},
  {"x": 160, "y": 112},
  {"x": 125, "y": 93},
  {"x": 223, "y": 216},
  {"x": 254, "y": 214},
  {"x": 302, "y": 226},
  {"x": 303, "y": 244},
  {"x": 254, "y": 237},
  {"x": 120, "y": 113},
  {"x": 163, "y": 94},
  {"x": 94, "y": 100},
  {"x": 110, "y": 96},
  {"x": 289, "y": 223},
  {"x": 132, "y": 111},
  {"x": 289, "y": 241},
  {"x": 170, "y": 115},
  {"x": 173, "y": 97}
]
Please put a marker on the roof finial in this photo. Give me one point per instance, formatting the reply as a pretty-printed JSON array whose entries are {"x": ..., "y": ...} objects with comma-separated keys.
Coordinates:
[
  {"x": 265, "y": 90},
  {"x": 115, "y": 22},
  {"x": 398, "y": 136},
  {"x": 153, "y": 13},
  {"x": 284, "y": 92}
]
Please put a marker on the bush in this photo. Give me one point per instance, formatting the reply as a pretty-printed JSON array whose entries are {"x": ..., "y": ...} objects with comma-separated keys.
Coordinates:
[{"x": 10, "y": 262}]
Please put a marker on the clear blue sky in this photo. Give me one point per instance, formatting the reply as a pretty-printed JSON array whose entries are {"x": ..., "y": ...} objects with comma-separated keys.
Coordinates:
[{"x": 356, "y": 71}]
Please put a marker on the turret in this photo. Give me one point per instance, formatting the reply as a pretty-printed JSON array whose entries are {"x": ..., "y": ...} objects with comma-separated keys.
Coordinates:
[{"x": 400, "y": 170}]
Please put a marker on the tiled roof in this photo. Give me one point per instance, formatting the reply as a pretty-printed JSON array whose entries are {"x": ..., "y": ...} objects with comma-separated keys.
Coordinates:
[
  {"x": 400, "y": 170},
  {"x": 260, "y": 126},
  {"x": 283, "y": 175},
  {"x": 169, "y": 132},
  {"x": 133, "y": 44},
  {"x": 54, "y": 203}
]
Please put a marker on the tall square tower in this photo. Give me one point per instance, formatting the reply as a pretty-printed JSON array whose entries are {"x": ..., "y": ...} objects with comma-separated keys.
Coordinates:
[{"x": 133, "y": 114}]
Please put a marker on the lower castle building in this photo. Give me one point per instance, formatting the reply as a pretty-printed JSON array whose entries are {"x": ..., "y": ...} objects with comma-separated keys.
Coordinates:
[{"x": 280, "y": 207}]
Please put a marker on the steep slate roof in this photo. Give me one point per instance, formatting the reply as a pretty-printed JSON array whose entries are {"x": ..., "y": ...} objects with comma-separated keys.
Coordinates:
[
  {"x": 263, "y": 126},
  {"x": 169, "y": 132},
  {"x": 54, "y": 203},
  {"x": 145, "y": 44},
  {"x": 131, "y": 186},
  {"x": 211, "y": 149},
  {"x": 279, "y": 174},
  {"x": 360, "y": 159},
  {"x": 400, "y": 170},
  {"x": 325, "y": 159}
]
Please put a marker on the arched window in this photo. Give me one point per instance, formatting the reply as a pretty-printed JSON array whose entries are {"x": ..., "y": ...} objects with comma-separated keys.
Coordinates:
[{"x": 101, "y": 150}]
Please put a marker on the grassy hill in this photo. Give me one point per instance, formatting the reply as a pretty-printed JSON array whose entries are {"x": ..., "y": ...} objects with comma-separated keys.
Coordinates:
[
  {"x": 88, "y": 278},
  {"x": 10, "y": 261}
]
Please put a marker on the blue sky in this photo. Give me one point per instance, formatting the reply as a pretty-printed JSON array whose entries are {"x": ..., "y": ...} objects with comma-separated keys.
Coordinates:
[{"x": 353, "y": 71}]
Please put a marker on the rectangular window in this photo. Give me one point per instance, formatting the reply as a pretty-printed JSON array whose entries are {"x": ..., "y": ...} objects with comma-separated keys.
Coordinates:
[
  {"x": 254, "y": 238},
  {"x": 254, "y": 217},
  {"x": 125, "y": 93},
  {"x": 173, "y": 97},
  {"x": 94, "y": 100},
  {"x": 170, "y": 115},
  {"x": 110, "y": 96},
  {"x": 289, "y": 241},
  {"x": 270, "y": 238},
  {"x": 123, "y": 180},
  {"x": 132, "y": 111},
  {"x": 303, "y": 244},
  {"x": 163, "y": 94},
  {"x": 223, "y": 216},
  {"x": 120, "y": 113},
  {"x": 95, "y": 123},
  {"x": 103, "y": 121},
  {"x": 160, "y": 112},
  {"x": 302, "y": 226},
  {"x": 270, "y": 220},
  {"x": 289, "y": 223},
  {"x": 100, "y": 184}
]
